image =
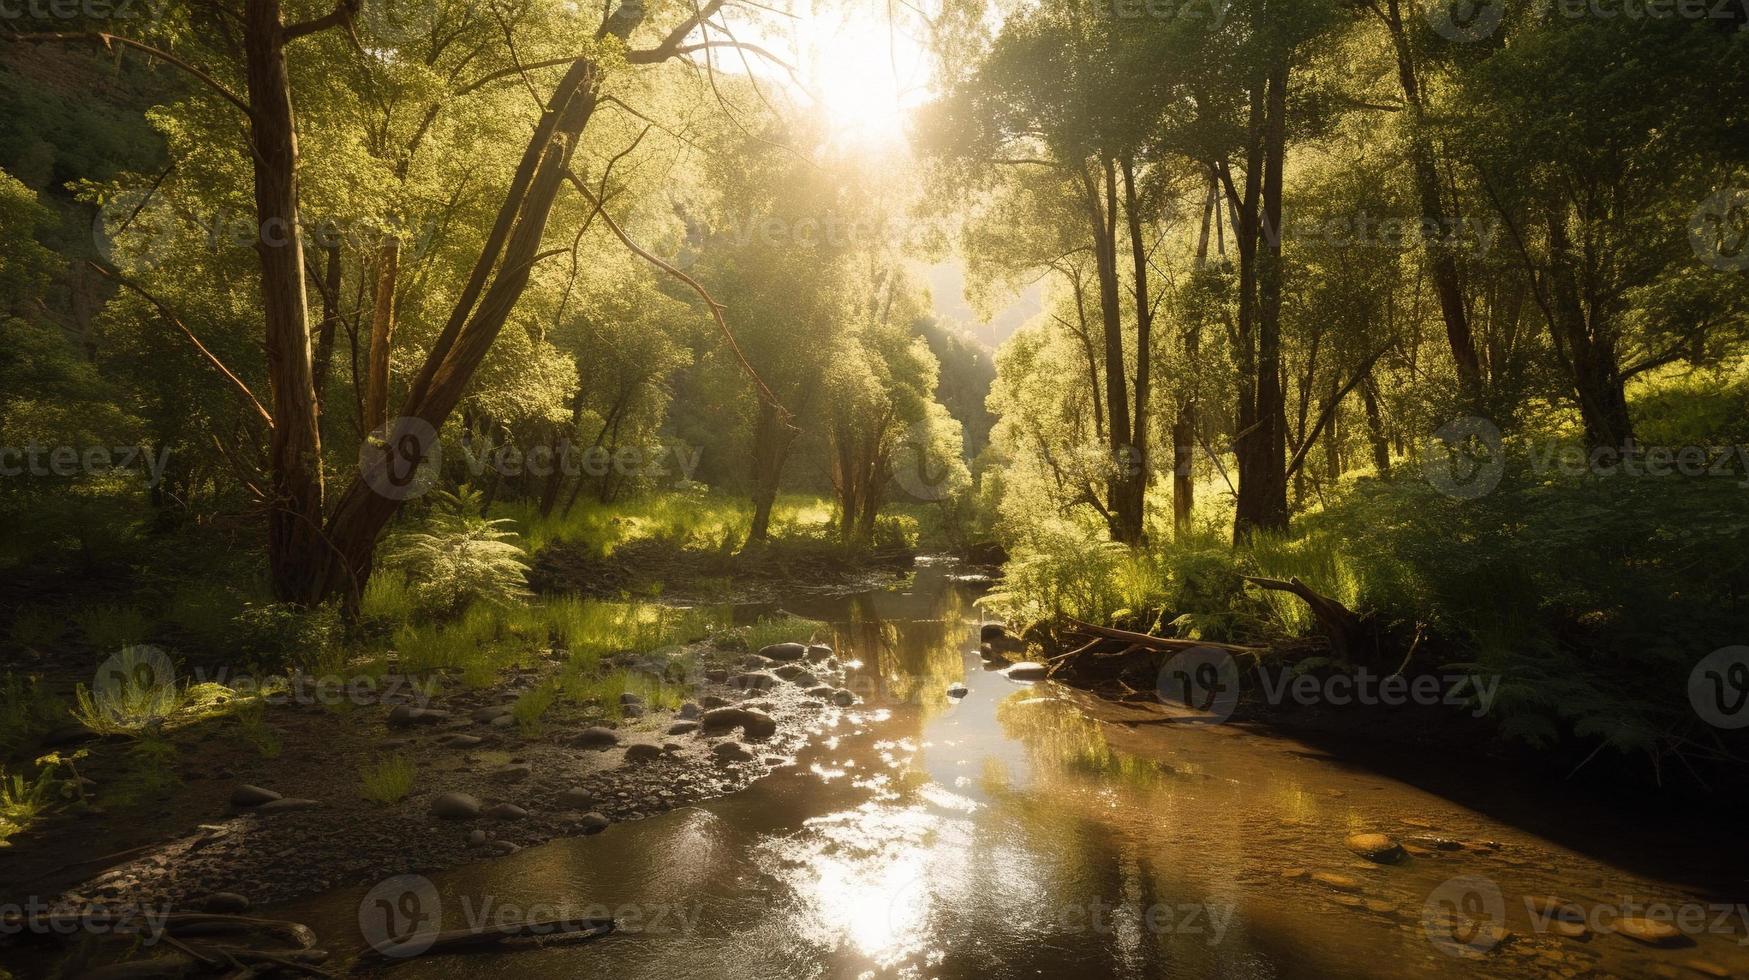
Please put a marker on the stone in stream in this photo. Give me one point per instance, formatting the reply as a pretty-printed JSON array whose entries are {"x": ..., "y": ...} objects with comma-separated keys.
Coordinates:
[
  {"x": 805, "y": 679},
  {"x": 642, "y": 752},
  {"x": 476, "y": 837},
  {"x": 455, "y": 806},
  {"x": 754, "y": 724},
  {"x": 286, "y": 805},
  {"x": 785, "y": 652},
  {"x": 732, "y": 752},
  {"x": 1375, "y": 847},
  {"x": 843, "y": 699},
  {"x": 577, "y": 798},
  {"x": 1026, "y": 670},
  {"x": 224, "y": 903},
  {"x": 789, "y": 671},
  {"x": 753, "y": 681},
  {"x": 1340, "y": 882},
  {"x": 1434, "y": 843},
  {"x": 1651, "y": 932},
  {"x": 818, "y": 652},
  {"x": 595, "y": 737},
  {"x": 406, "y": 714},
  {"x": 506, "y": 811},
  {"x": 247, "y": 795},
  {"x": 593, "y": 823},
  {"x": 824, "y": 692},
  {"x": 957, "y": 690},
  {"x": 683, "y": 728}
]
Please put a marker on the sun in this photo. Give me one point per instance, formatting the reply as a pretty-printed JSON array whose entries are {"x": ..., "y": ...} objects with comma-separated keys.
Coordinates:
[{"x": 865, "y": 72}]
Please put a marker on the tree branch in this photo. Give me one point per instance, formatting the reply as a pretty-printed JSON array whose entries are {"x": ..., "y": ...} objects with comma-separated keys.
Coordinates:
[{"x": 108, "y": 41}]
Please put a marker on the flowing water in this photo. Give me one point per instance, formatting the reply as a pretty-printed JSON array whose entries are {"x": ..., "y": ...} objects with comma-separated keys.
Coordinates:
[{"x": 1026, "y": 831}]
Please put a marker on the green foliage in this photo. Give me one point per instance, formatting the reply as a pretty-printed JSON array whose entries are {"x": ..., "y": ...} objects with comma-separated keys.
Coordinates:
[
  {"x": 767, "y": 630},
  {"x": 460, "y": 558},
  {"x": 286, "y": 634},
  {"x": 387, "y": 780},
  {"x": 531, "y": 707},
  {"x": 27, "y": 709},
  {"x": 22, "y": 800},
  {"x": 133, "y": 698}
]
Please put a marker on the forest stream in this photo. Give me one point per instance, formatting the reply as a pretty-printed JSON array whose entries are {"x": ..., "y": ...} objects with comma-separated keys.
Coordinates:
[{"x": 1028, "y": 830}]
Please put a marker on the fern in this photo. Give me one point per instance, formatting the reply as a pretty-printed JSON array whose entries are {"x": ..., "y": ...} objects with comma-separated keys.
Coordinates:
[{"x": 459, "y": 557}]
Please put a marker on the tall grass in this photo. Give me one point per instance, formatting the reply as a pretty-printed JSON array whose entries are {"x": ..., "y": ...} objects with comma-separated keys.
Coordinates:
[{"x": 387, "y": 780}]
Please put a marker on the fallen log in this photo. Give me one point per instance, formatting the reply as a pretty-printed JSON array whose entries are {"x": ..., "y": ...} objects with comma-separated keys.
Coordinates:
[
  {"x": 1346, "y": 629},
  {"x": 1163, "y": 643}
]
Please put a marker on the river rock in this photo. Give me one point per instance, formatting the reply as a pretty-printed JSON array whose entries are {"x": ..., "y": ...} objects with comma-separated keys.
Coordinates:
[
  {"x": 689, "y": 711},
  {"x": 754, "y": 724},
  {"x": 476, "y": 837},
  {"x": 224, "y": 903},
  {"x": 1340, "y": 882},
  {"x": 788, "y": 671},
  {"x": 576, "y": 798},
  {"x": 642, "y": 752},
  {"x": 992, "y": 633},
  {"x": 460, "y": 741},
  {"x": 487, "y": 715},
  {"x": 286, "y": 805},
  {"x": 957, "y": 690},
  {"x": 1651, "y": 932},
  {"x": 506, "y": 811},
  {"x": 732, "y": 752},
  {"x": 1375, "y": 847},
  {"x": 683, "y": 728},
  {"x": 596, "y": 737},
  {"x": 593, "y": 823},
  {"x": 843, "y": 699},
  {"x": 805, "y": 679},
  {"x": 716, "y": 675},
  {"x": 753, "y": 681},
  {"x": 824, "y": 692},
  {"x": 785, "y": 652},
  {"x": 455, "y": 806},
  {"x": 1431, "y": 843},
  {"x": 1026, "y": 670},
  {"x": 713, "y": 701},
  {"x": 246, "y": 795},
  {"x": 818, "y": 652},
  {"x": 631, "y": 711},
  {"x": 405, "y": 714},
  {"x": 513, "y": 774}
]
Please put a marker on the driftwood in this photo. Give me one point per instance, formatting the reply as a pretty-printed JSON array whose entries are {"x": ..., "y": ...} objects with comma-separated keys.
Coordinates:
[
  {"x": 466, "y": 940},
  {"x": 1346, "y": 630},
  {"x": 1163, "y": 643}
]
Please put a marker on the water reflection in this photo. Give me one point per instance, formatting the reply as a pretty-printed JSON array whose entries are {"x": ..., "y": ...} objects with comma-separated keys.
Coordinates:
[{"x": 1010, "y": 833}]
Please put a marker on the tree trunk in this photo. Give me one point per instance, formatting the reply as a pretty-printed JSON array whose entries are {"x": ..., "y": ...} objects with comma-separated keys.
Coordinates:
[
  {"x": 382, "y": 334},
  {"x": 1132, "y": 509},
  {"x": 295, "y": 548},
  {"x": 1375, "y": 426},
  {"x": 1184, "y": 429},
  {"x": 772, "y": 440},
  {"x": 1588, "y": 344},
  {"x": 331, "y": 283},
  {"x": 1436, "y": 224},
  {"x": 1262, "y": 444},
  {"x": 1102, "y": 206}
]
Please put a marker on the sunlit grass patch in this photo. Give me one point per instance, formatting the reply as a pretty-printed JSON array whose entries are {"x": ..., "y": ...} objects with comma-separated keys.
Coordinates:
[
  {"x": 387, "y": 780},
  {"x": 712, "y": 521},
  {"x": 777, "y": 629},
  {"x": 23, "y": 799},
  {"x": 605, "y": 689},
  {"x": 137, "y": 690},
  {"x": 531, "y": 708}
]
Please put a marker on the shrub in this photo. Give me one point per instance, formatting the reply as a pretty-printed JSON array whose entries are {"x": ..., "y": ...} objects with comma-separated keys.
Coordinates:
[
  {"x": 388, "y": 780},
  {"x": 283, "y": 633},
  {"x": 137, "y": 692},
  {"x": 460, "y": 558}
]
